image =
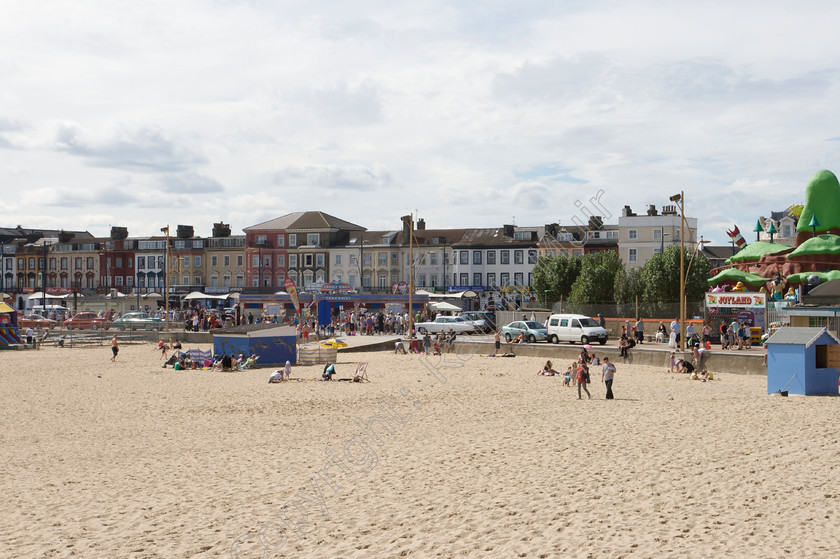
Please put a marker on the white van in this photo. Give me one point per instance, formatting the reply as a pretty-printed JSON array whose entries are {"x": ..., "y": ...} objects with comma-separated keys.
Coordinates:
[{"x": 573, "y": 328}]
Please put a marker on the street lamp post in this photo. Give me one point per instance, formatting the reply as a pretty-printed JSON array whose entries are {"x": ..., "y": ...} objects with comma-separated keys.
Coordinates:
[
  {"x": 680, "y": 200},
  {"x": 165, "y": 230},
  {"x": 44, "y": 278}
]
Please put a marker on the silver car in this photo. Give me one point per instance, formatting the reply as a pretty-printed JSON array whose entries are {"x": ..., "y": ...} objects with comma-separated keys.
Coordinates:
[{"x": 445, "y": 324}]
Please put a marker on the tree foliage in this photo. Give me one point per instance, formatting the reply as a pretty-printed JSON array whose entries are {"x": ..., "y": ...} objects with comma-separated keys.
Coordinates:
[
  {"x": 662, "y": 276},
  {"x": 553, "y": 277},
  {"x": 629, "y": 290},
  {"x": 596, "y": 281}
]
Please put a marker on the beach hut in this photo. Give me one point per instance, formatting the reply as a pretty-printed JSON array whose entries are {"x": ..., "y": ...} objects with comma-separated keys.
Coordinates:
[
  {"x": 803, "y": 361},
  {"x": 273, "y": 346}
]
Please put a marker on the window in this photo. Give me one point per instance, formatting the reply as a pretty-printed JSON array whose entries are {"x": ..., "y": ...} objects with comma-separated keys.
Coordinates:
[
  {"x": 312, "y": 239},
  {"x": 186, "y": 280},
  {"x": 367, "y": 261},
  {"x": 226, "y": 280},
  {"x": 394, "y": 258},
  {"x": 255, "y": 282},
  {"x": 517, "y": 278},
  {"x": 78, "y": 263},
  {"x": 281, "y": 260},
  {"x": 226, "y": 261},
  {"x": 141, "y": 262},
  {"x": 293, "y": 261},
  {"x": 505, "y": 257},
  {"x": 491, "y": 280},
  {"x": 307, "y": 260},
  {"x": 197, "y": 261},
  {"x": 352, "y": 279},
  {"x": 255, "y": 261},
  {"x": 576, "y": 252},
  {"x": 118, "y": 281},
  {"x": 612, "y": 234},
  {"x": 292, "y": 240},
  {"x": 281, "y": 240},
  {"x": 491, "y": 256},
  {"x": 465, "y": 257},
  {"x": 657, "y": 234},
  {"x": 422, "y": 280},
  {"x": 214, "y": 261},
  {"x": 383, "y": 280},
  {"x": 476, "y": 279},
  {"x": 657, "y": 251},
  {"x": 477, "y": 257},
  {"x": 197, "y": 280},
  {"x": 465, "y": 278},
  {"x": 366, "y": 281},
  {"x": 532, "y": 257},
  {"x": 786, "y": 230},
  {"x": 517, "y": 257},
  {"x": 632, "y": 255},
  {"x": 433, "y": 258},
  {"x": 522, "y": 235},
  {"x": 319, "y": 259},
  {"x": 504, "y": 279},
  {"x": 118, "y": 262},
  {"x": 186, "y": 261},
  {"x": 382, "y": 258},
  {"x": 64, "y": 263},
  {"x": 260, "y": 240},
  {"x": 632, "y": 234},
  {"x": 239, "y": 261},
  {"x": 267, "y": 261},
  {"x": 338, "y": 260},
  {"x": 240, "y": 280}
]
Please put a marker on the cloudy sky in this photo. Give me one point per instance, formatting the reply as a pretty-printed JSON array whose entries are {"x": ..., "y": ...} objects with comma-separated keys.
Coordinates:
[{"x": 472, "y": 113}]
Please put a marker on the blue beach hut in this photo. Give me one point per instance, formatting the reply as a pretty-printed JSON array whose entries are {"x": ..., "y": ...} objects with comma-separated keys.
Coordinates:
[
  {"x": 802, "y": 361},
  {"x": 274, "y": 346}
]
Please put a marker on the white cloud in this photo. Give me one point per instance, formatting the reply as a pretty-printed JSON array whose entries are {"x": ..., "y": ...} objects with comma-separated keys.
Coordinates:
[{"x": 469, "y": 116}]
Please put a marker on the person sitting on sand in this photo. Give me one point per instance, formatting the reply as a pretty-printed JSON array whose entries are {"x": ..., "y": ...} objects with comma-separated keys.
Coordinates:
[
  {"x": 548, "y": 370},
  {"x": 594, "y": 361},
  {"x": 329, "y": 371},
  {"x": 567, "y": 379},
  {"x": 181, "y": 364},
  {"x": 685, "y": 366},
  {"x": 276, "y": 376}
]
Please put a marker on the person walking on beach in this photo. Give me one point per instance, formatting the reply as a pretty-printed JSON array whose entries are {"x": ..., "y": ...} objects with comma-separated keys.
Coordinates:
[
  {"x": 607, "y": 372},
  {"x": 115, "y": 348},
  {"x": 583, "y": 380}
]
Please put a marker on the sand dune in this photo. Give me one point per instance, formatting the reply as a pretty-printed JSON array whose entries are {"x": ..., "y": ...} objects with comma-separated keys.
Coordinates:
[{"x": 469, "y": 456}]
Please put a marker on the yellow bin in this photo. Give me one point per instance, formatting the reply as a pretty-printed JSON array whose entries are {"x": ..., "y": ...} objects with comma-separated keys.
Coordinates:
[{"x": 755, "y": 335}]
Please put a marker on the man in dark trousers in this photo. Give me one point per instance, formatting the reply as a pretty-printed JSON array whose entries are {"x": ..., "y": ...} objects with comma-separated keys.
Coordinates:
[{"x": 607, "y": 372}]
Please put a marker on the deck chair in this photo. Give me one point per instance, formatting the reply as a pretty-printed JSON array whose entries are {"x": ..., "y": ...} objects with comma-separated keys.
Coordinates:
[{"x": 361, "y": 373}]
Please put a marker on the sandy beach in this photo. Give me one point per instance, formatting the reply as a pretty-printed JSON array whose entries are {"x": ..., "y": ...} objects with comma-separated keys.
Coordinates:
[{"x": 464, "y": 456}]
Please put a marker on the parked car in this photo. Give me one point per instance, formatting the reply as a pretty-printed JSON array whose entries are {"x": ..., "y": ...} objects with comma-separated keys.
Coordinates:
[
  {"x": 445, "y": 324},
  {"x": 575, "y": 327},
  {"x": 532, "y": 331},
  {"x": 137, "y": 321},
  {"x": 485, "y": 321},
  {"x": 86, "y": 321},
  {"x": 36, "y": 321}
]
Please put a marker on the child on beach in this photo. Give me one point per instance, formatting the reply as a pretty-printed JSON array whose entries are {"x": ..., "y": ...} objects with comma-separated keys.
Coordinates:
[
  {"x": 673, "y": 363},
  {"x": 567, "y": 380}
]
